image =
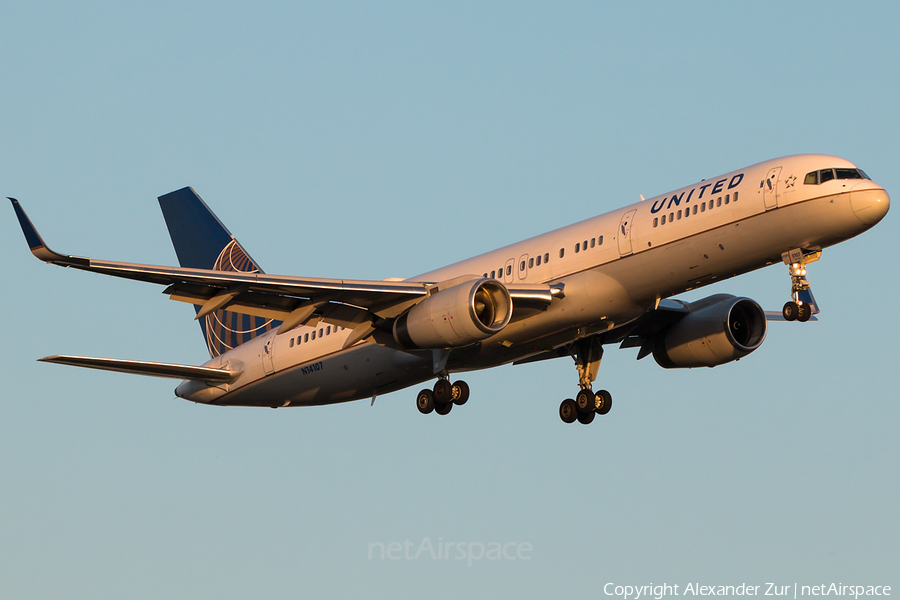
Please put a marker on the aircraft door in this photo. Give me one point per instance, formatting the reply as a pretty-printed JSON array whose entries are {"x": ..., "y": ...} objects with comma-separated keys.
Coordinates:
[
  {"x": 268, "y": 353},
  {"x": 624, "y": 234},
  {"x": 508, "y": 274},
  {"x": 522, "y": 268},
  {"x": 770, "y": 188}
]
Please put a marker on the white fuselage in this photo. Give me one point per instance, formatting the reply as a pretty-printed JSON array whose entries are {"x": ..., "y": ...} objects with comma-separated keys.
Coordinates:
[{"x": 614, "y": 267}]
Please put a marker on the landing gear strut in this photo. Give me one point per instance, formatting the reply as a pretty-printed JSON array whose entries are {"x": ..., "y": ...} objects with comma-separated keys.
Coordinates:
[
  {"x": 442, "y": 397},
  {"x": 587, "y": 354},
  {"x": 802, "y": 304}
]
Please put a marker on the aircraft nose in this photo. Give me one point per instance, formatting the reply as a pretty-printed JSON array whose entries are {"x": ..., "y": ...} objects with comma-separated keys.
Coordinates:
[{"x": 870, "y": 202}]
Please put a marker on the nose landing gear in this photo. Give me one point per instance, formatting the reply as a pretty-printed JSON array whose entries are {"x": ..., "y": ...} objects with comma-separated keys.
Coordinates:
[
  {"x": 587, "y": 354},
  {"x": 802, "y": 305}
]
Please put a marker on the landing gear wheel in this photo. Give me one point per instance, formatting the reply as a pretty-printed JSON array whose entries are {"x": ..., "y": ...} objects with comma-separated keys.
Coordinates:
[
  {"x": 803, "y": 303},
  {"x": 585, "y": 401},
  {"x": 443, "y": 391},
  {"x": 790, "y": 311},
  {"x": 425, "y": 402},
  {"x": 586, "y": 418},
  {"x": 603, "y": 400},
  {"x": 460, "y": 393},
  {"x": 568, "y": 411},
  {"x": 443, "y": 409}
]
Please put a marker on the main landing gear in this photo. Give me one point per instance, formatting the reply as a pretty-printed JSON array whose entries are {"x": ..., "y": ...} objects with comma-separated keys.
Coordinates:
[
  {"x": 587, "y": 354},
  {"x": 802, "y": 305},
  {"x": 442, "y": 397}
]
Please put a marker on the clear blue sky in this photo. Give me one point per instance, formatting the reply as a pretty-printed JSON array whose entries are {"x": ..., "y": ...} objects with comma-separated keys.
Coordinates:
[{"x": 373, "y": 140}]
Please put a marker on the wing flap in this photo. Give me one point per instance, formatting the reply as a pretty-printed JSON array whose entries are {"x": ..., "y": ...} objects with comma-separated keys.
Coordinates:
[{"x": 141, "y": 367}]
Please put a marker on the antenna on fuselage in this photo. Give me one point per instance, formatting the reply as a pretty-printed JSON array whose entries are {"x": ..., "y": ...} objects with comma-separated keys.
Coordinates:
[{"x": 642, "y": 197}]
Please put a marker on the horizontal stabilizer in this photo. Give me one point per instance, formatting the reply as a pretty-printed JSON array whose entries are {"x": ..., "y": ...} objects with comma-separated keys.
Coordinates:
[{"x": 142, "y": 367}]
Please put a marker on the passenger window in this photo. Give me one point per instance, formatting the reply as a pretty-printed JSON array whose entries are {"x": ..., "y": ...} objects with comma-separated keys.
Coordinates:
[
  {"x": 702, "y": 207},
  {"x": 695, "y": 209},
  {"x": 592, "y": 242},
  {"x": 328, "y": 330},
  {"x": 493, "y": 274},
  {"x": 655, "y": 221},
  {"x": 292, "y": 342},
  {"x": 314, "y": 335},
  {"x": 306, "y": 337},
  {"x": 712, "y": 204},
  {"x": 826, "y": 175},
  {"x": 509, "y": 269},
  {"x": 530, "y": 263},
  {"x": 547, "y": 257},
  {"x": 687, "y": 212},
  {"x": 299, "y": 339},
  {"x": 577, "y": 246},
  {"x": 539, "y": 260},
  {"x": 522, "y": 266},
  {"x": 485, "y": 275},
  {"x": 664, "y": 219},
  {"x": 810, "y": 178},
  {"x": 679, "y": 214},
  {"x": 735, "y": 196},
  {"x": 600, "y": 241},
  {"x": 727, "y": 198},
  {"x": 584, "y": 244},
  {"x": 671, "y": 217},
  {"x": 320, "y": 333},
  {"x": 562, "y": 252},
  {"x": 719, "y": 201}
]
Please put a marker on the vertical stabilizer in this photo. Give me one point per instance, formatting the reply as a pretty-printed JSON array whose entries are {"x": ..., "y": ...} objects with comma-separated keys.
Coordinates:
[{"x": 202, "y": 242}]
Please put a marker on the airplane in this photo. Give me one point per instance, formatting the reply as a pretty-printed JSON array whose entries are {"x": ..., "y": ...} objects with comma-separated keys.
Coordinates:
[{"x": 280, "y": 341}]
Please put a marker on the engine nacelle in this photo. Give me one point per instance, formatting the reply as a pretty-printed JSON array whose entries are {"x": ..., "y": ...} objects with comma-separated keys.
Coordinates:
[
  {"x": 717, "y": 330},
  {"x": 457, "y": 316}
]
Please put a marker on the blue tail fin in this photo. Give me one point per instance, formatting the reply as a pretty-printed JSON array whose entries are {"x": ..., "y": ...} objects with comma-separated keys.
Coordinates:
[{"x": 202, "y": 242}]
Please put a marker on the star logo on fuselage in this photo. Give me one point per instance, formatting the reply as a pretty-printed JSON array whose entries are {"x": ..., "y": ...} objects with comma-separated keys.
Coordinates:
[{"x": 790, "y": 181}]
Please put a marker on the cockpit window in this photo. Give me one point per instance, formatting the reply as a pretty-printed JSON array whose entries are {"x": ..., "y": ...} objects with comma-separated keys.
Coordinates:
[
  {"x": 817, "y": 177},
  {"x": 848, "y": 174}
]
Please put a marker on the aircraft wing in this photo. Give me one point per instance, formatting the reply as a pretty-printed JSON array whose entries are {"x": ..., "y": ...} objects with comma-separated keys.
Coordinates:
[
  {"x": 293, "y": 300},
  {"x": 776, "y": 315}
]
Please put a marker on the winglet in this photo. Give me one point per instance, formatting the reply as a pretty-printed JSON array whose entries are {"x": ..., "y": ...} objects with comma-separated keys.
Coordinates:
[
  {"x": 31, "y": 235},
  {"x": 806, "y": 297},
  {"x": 36, "y": 243}
]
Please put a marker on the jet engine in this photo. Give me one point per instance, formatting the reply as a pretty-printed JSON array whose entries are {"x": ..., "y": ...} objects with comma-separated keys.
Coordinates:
[
  {"x": 457, "y": 316},
  {"x": 716, "y": 330}
]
